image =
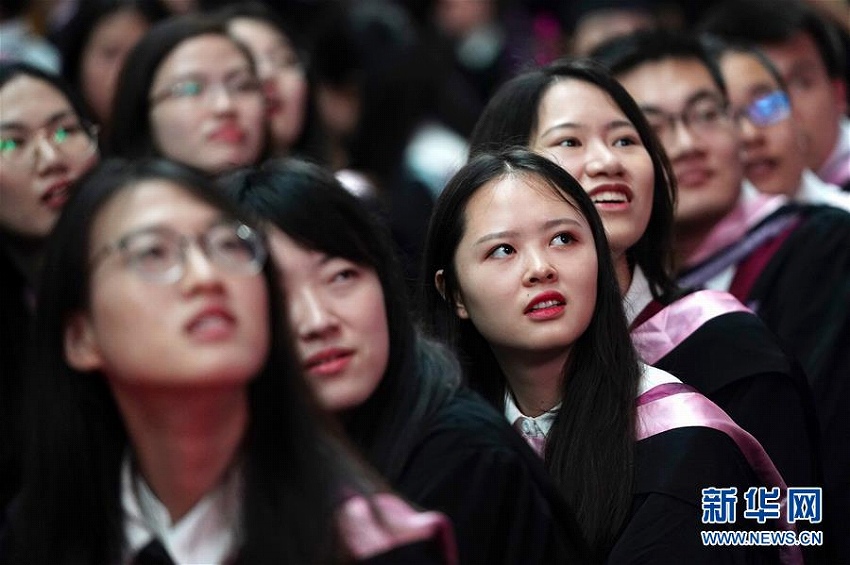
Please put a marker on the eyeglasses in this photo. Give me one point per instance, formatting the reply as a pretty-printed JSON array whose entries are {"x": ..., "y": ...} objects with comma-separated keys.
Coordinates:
[
  {"x": 72, "y": 140},
  {"x": 158, "y": 255},
  {"x": 202, "y": 89},
  {"x": 766, "y": 110},
  {"x": 702, "y": 116}
]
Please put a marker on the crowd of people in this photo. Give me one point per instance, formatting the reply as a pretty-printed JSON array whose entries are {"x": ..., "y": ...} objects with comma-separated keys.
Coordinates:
[{"x": 396, "y": 281}]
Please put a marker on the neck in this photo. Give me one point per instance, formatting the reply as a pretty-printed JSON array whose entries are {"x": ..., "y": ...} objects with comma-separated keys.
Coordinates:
[
  {"x": 184, "y": 441},
  {"x": 687, "y": 239},
  {"x": 535, "y": 380},
  {"x": 624, "y": 273}
]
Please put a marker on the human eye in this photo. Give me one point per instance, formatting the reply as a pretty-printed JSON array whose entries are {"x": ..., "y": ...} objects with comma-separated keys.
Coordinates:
[
  {"x": 187, "y": 89},
  {"x": 150, "y": 253},
  {"x": 63, "y": 131},
  {"x": 345, "y": 274},
  {"x": 627, "y": 140},
  {"x": 706, "y": 113},
  {"x": 568, "y": 142},
  {"x": 11, "y": 145},
  {"x": 562, "y": 239},
  {"x": 243, "y": 84},
  {"x": 501, "y": 251}
]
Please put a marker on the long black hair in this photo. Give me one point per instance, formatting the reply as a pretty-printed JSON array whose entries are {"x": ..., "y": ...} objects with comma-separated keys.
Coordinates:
[
  {"x": 70, "y": 508},
  {"x": 590, "y": 449},
  {"x": 511, "y": 117},
  {"x": 420, "y": 376}
]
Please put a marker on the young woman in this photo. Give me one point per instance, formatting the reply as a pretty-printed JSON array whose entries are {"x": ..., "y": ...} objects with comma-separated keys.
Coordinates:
[
  {"x": 396, "y": 393},
  {"x": 277, "y": 49},
  {"x": 189, "y": 92},
  {"x": 167, "y": 409},
  {"x": 46, "y": 143},
  {"x": 525, "y": 290},
  {"x": 575, "y": 114}
]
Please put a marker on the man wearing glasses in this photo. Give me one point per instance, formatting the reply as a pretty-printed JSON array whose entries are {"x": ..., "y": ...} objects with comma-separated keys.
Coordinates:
[{"x": 788, "y": 262}]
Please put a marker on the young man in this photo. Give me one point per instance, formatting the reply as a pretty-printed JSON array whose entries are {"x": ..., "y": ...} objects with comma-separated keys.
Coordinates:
[
  {"x": 790, "y": 263},
  {"x": 807, "y": 51}
]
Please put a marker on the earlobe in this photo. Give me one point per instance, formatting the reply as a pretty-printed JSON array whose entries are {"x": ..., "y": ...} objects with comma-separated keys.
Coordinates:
[
  {"x": 457, "y": 302},
  {"x": 81, "y": 351}
]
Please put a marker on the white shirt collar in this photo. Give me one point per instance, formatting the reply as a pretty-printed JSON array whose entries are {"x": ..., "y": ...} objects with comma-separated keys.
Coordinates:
[
  {"x": 637, "y": 297},
  {"x": 651, "y": 377},
  {"x": 542, "y": 422},
  {"x": 207, "y": 534},
  {"x": 813, "y": 190},
  {"x": 836, "y": 169}
]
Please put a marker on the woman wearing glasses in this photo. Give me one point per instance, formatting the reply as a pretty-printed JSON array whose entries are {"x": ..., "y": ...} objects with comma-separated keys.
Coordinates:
[
  {"x": 169, "y": 417},
  {"x": 773, "y": 145},
  {"x": 576, "y": 115},
  {"x": 45, "y": 145},
  {"x": 189, "y": 92}
]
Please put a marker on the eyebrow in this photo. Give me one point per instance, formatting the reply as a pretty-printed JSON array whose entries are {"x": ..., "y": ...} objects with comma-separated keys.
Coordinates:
[
  {"x": 697, "y": 96},
  {"x": 52, "y": 119},
  {"x": 546, "y": 226},
  {"x": 613, "y": 124}
]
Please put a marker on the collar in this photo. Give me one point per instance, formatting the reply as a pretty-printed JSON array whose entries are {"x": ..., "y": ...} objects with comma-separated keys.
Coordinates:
[
  {"x": 637, "y": 297},
  {"x": 542, "y": 423},
  {"x": 651, "y": 377},
  {"x": 752, "y": 207},
  {"x": 207, "y": 534},
  {"x": 836, "y": 169},
  {"x": 815, "y": 191}
]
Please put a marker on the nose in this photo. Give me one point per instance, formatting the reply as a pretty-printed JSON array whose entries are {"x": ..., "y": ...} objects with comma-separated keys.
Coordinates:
[
  {"x": 602, "y": 160},
  {"x": 45, "y": 155},
  {"x": 310, "y": 315},
  {"x": 538, "y": 269},
  {"x": 199, "y": 273},
  {"x": 222, "y": 100},
  {"x": 750, "y": 134}
]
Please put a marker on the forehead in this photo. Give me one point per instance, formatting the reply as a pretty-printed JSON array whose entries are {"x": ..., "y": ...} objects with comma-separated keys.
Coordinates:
[
  {"x": 205, "y": 54},
  {"x": 669, "y": 84},
  {"x": 258, "y": 33},
  {"x": 29, "y": 100},
  {"x": 152, "y": 203},
  {"x": 797, "y": 52},
  {"x": 745, "y": 74},
  {"x": 577, "y": 101}
]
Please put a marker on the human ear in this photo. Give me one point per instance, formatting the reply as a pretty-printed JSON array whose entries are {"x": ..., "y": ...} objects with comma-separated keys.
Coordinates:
[
  {"x": 81, "y": 350},
  {"x": 457, "y": 301}
]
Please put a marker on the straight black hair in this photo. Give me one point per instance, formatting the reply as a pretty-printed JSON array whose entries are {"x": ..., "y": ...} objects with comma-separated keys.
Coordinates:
[
  {"x": 717, "y": 48},
  {"x": 511, "y": 117},
  {"x": 590, "y": 449},
  {"x": 294, "y": 471},
  {"x": 420, "y": 376}
]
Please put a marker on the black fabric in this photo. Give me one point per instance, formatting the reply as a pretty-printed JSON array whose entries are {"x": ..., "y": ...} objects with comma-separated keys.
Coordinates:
[
  {"x": 671, "y": 469},
  {"x": 419, "y": 553},
  {"x": 472, "y": 466},
  {"x": 736, "y": 362},
  {"x": 154, "y": 553},
  {"x": 803, "y": 295}
]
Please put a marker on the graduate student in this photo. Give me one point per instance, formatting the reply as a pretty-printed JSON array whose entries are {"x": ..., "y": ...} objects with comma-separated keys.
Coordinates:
[
  {"x": 46, "y": 143},
  {"x": 575, "y": 114},
  {"x": 788, "y": 263},
  {"x": 397, "y": 394},
  {"x": 189, "y": 92},
  {"x": 169, "y": 419},
  {"x": 529, "y": 298}
]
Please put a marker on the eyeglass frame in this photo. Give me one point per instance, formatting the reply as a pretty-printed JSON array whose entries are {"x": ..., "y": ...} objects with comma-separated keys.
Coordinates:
[
  {"x": 172, "y": 91},
  {"x": 177, "y": 271},
  {"x": 671, "y": 120},
  {"x": 751, "y": 111},
  {"x": 90, "y": 131}
]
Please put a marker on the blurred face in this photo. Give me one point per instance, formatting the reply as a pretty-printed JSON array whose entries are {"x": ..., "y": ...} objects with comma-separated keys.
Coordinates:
[
  {"x": 43, "y": 150},
  {"x": 818, "y": 100},
  {"x": 582, "y": 129},
  {"x": 772, "y": 153},
  {"x": 686, "y": 109},
  {"x": 207, "y": 108},
  {"x": 209, "y": 328},
  {"x": 112, "y": 38},
  {"x": 526, "y": 268},
  {"x": 282, "y": 74},
  {"x": 336, "y": 308}
]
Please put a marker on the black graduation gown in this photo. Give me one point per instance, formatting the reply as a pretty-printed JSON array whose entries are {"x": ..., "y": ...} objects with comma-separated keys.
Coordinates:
[{"x": 472, "y": 466}]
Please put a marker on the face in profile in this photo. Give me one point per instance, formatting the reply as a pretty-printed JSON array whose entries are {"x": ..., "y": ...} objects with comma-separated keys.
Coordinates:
[
  {"x": 44, "y": 148},
  {"x": 687, "y": 110},
  {"x": 773, "y": 149},
  {"x": 100, "y": 63},
  {"x": 282, "y": 73},
  {"x": 819, "y": 101},
  {"x": 582, "y": 129},
  {"x": 526, "y": 267},
  {"x": 337, "y": 312},
  {"x": 207, "y": 108},
  {"x": 176, "y": 294}
]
